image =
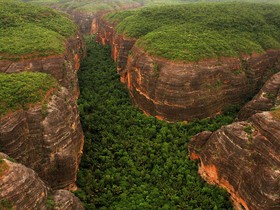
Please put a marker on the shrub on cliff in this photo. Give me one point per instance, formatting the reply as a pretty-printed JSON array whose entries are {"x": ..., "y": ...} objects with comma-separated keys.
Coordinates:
[
  {"x": 199, "y": 31},
  {"x": 28, "y": 29},
  {"x": 21, "y": 90}
]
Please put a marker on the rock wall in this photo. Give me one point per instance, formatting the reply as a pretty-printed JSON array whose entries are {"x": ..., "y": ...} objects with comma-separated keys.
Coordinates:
[
  {"x": 21, "y": 188},
  {"x": 244, "y": 157},
  {"x": 63, "y": 67},
  {"x": 177, "y": 91},
  {"x": 267, "y": 98},
  {"x": 48, "y": 139}
]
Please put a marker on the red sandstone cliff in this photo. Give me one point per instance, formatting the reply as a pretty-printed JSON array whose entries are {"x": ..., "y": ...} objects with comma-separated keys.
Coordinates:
[
  {"x": 177, "y": 91},
  {"x": 21, "y": 188},
  {"x": 244, "y": 157},
  {"x": 63, "y": 67},
  {"x": 48, "y": 139},
  {"x": 267, "y": 98}
]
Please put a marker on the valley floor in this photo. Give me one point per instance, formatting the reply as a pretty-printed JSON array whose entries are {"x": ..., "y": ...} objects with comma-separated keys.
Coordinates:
[{"x": 133, "y": 161}]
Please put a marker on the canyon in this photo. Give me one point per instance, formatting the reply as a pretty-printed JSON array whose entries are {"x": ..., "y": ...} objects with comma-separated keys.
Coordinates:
[
  {"x": 242, "y": 157},
  {"x": 44, "y": 144},
  {"x": 178, "y": 91}
]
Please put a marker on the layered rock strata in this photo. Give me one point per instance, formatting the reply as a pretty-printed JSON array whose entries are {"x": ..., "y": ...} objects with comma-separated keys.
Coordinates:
[
  {"x": 267, "y": 98},
  {"x": 21, "y": 188},
  {"x": 244, "y": 159},
  {"x": 47, "y": 138},
  {"x": 63, "y": 67},
  {"x": 177, "y": 91}
]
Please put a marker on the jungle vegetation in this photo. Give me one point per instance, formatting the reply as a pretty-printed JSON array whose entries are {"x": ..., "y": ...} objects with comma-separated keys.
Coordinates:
[
  {"x": 32, "y": 29},
  {"x": 21, "y": 90},
  {"x": 132, "y": 161},
  {"x": 191, "y": 32}
]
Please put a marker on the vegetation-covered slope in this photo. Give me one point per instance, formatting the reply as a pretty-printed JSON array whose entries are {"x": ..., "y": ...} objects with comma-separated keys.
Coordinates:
[
  {"x": 132, "y": 161},
  {"x": 28, "y": 29},
  {"x": 204, "y": 30},
  {"x": 20, "y": 90}
]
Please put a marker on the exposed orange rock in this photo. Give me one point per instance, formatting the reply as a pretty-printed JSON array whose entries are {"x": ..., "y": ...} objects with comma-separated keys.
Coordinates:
[
  {"x": 267, "y": 98},
  {"x": 48, "y": 139},
  {"x": 180, "y": 91},
  {"x": 63, "y": 67},
  {"x": 244, "y": 159},
  {"x": 22, "y": 188},
  {"x": 48, "y": 136}
]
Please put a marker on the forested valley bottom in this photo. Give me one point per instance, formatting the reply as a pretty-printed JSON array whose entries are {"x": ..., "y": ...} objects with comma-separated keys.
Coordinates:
[{"x": 133, "y": 161}]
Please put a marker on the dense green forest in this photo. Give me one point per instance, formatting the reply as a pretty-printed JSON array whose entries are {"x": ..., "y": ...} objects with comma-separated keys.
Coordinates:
[
  {"x": 132, "y": 161},
  {"x": 191, "y": 32},
  {"x": 21, "y": 90},
  {"x": 27, "y": 29}
]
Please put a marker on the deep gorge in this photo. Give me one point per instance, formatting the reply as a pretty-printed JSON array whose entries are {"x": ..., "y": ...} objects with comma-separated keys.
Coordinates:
[
  {"x": 133, "y": 161},
  {"x": 101, "y": 125}
]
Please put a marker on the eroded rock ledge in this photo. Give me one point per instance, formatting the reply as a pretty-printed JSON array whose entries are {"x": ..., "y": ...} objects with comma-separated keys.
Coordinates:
[
  {"x": 267, "y": 98},
  {"x": 244, "y": 157},
  {"x": 177, "y": 91},
  {"x": 48, "y": 139},
  {"x": 63, "y": 67},
  {"x": 22, "y": 188}
]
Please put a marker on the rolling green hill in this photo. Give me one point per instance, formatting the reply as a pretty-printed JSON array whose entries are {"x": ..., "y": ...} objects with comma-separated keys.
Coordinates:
[
  {"x": 29, "y": 29},
  {"x": 192, "y": 32}
]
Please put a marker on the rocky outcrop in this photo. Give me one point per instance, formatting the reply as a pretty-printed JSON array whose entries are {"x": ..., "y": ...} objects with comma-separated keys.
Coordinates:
[
  {"x": 177, "y": 91},
  {"x": 120, "y": 45},
  {"x": 244, "y": 159},
  {"x": 267, "y": 98},
  {"x": 47, "y": 138},
  {"x": 21, "y": 188},
  {"x": 63, "y": 199},
  {"x": 63, "y": 67}
]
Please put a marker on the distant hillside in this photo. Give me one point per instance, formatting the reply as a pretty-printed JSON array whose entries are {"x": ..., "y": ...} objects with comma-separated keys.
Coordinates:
[
  {"x": 29, "y": 29},
  {"x": 203, "y": 30},
  {"x": 99, "y": 5}
]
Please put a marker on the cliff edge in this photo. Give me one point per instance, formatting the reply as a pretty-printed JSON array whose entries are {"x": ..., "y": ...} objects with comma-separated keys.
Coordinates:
[{"x": 244, "y": 157}]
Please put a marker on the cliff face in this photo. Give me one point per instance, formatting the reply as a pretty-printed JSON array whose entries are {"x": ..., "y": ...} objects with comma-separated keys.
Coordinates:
[
  {"x": 244, "y": 157},
  {"x": 62, "y": 67},
  {"x": 120, "y": 45},
  {"x": 21, "y": 188},
  {"x": 46, "y": 138},
  {"x": 268, "y": 97},
  {"x": 177, "y": 91}
]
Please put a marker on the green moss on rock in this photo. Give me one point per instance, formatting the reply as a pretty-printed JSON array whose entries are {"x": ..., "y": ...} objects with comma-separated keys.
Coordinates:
[{"x": 21, "y": 90}]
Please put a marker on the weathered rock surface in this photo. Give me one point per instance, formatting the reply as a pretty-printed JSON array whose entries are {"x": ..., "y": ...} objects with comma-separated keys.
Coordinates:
[
  {"x": 244, "y": 158},
  {"x": 48, "y": 139},
  {"x": 267, "y": 98},
  {"x": 177, "y": 91},
  {"x": 22, "y": 188},
  {"x": 120, "y": 45},
  {"x": 63, "y": 200},
  {"x": 63, "y": 67}
]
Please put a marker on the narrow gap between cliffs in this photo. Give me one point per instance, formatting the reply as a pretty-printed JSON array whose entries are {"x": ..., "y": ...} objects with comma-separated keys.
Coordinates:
[{"x": 132, "y": 161}]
